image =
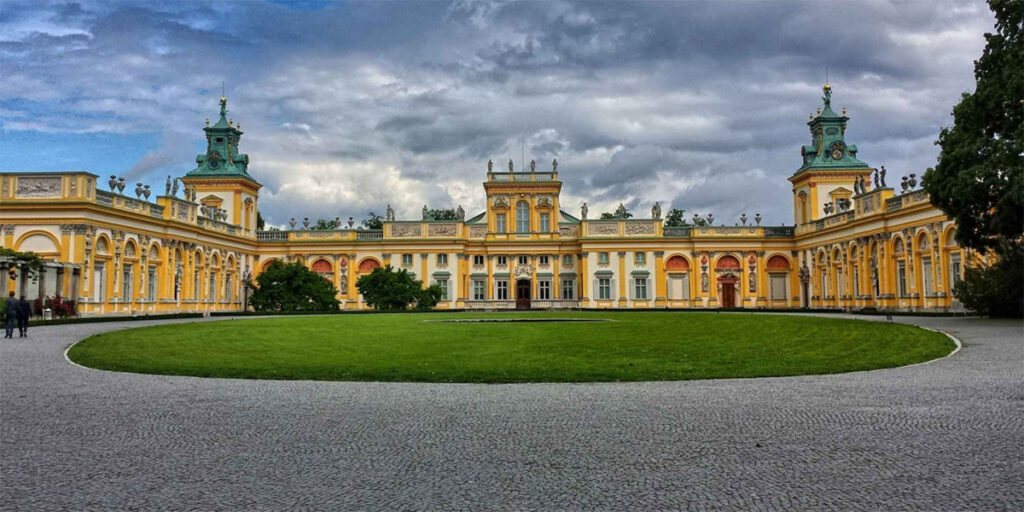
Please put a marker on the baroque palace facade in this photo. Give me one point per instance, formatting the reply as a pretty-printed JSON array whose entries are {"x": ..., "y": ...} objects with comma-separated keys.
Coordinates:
[{"x": 856, "y": 243}]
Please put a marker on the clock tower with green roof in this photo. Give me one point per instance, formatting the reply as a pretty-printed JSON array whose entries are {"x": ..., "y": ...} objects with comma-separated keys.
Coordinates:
[
  {"x": 221, "y": 178},
  {"x": 830, "y": 167}
]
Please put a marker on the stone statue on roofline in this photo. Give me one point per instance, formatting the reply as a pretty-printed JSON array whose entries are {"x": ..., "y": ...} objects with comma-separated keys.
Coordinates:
[
  {"x": 533, "y": 166},
  {"x": 425, "y": 212},
  {"x": 656, "y": 210},
  {"x": 174, "y": 188},
  {"x": 554, "y": 165},
  {"x": 510, "y": 165},
  {"x": 583, "y": 211},
  {"x": 460, "y": 213},
  {"x": 390, "y": 215},
  {"x": 882, "y": 175},
  {"x": 167, "y": 186},
  {"x": 490, "y": 165}
]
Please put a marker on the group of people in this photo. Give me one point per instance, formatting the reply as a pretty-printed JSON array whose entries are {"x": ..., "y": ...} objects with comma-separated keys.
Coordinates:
[{"x": 16, "y": 311}]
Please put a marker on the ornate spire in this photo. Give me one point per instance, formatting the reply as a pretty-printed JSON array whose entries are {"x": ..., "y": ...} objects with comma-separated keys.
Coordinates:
[
  {"x": 827, "y": 98},
  {"x": 223, "y": 106}
]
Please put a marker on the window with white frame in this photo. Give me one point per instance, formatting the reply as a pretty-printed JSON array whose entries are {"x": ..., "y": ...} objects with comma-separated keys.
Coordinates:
[
  {"x": 479, "y": 289},
  {"x": 197, "y": 292},
  {"x": 544, "y": 261},
  {"x": 442, "y": 259},
  {"x": 604, "y": 288},
  {"x": 544, "y": 289},
  {"x": 502, "y": 261},
  {"x": 227, "y": 288},
  {"x": 443, "y": 284},
  {"x": 99, "y": 282},
  {"x": 523, "y": 260},
  {"x": 478, "y": 260},
  {"x": 212, "y": 290},
  {"x": 126, "y": 281},
  {"x": 640, "y": 258},
  {"x": 954, "y": 269},
  {"x": 567, "y": 260},
  {"x": 406, "y": 260},
  {"x": 501, "y": 289},
  {"x": 545, "y": 222},
  {"x": 926, "y": 275},
  {"x": 602, "y": 258},
  {"x": 568, "y": 289},
  {"x": 640, "y": 288},
  {"x": 778, "y": 286},
  {"x": 499, "y": 221},
  {"x": 902, "y": 278},
  {"x": 151, "y": 283},
  {"x": 523, "y": 217}
]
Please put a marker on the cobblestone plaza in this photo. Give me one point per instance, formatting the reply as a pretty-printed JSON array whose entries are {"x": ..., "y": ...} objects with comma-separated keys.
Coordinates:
[{"x": 944, "y": 435}]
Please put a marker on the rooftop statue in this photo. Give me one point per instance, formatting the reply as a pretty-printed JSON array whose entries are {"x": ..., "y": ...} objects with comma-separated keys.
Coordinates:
[
  {"x": 554, "y": 165},
  {"x": 509, "y": 165},
  {"x": 583, "y": 211},
  {"x": 490, "y": 165}
]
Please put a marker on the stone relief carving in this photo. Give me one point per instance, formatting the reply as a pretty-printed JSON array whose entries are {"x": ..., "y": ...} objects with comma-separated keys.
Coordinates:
[
  {"x": 440, "y": 230},
  {"x": 638, "y": 228},
  {"x": 544, "y": 202},
  {"x": 523, "y": 271},
  {"x": 568, "y": 231},
  {"x": 38, "y": 187},
  {"x": 603, "y": 228},
  {"x": 405, "y": 230},
  {"x": 477, "y": 231}
]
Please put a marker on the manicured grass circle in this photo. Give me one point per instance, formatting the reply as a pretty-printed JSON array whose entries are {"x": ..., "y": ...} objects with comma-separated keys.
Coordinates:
[{"x": 634, "y": 346}]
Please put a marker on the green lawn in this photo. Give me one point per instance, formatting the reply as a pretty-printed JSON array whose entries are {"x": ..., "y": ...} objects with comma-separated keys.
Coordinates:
[{"x": 634, "y": 346}]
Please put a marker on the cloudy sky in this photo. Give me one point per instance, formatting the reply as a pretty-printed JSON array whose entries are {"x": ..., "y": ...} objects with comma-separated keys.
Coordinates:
[{"x": 350, "y": 106}]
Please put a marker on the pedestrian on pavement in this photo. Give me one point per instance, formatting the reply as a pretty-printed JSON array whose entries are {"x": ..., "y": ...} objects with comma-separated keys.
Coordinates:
[
  {"x": 10, "y": 314},
  {"x": 24, "y": 313}
]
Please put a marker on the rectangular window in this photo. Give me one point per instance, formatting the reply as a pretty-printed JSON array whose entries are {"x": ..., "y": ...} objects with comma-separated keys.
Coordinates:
[
  {"x": 502, "y": 289},
  {"x": 567, "y": 260},
  {"x": 604, "y": 288},
  {"x": 502, "y": 261},
  {"x": 778, "y": 286},
  {"x": 227, "y": 288},
  {"x": 522, "y": 217},
  {"x": 443, "y": 283},
  {"x": 406, "y": 260},
  {"x": 545, "y": 222},
  {"x": 954, "y": 270},
  {"x": 478, "y": 260},
  {"x": 499, "y": 221},
  {"x": 479, "y": 289},
  {"x": 442, "y": 259},
  {"x": 126, "y": 282},
  {"x": 602, "y": 258},
  {"x": 99, "y": 282},
  {"x": 151, "y": 283},
  {"x": 640, "y": 288},
  {"x": 196, "y": 286},
  {"x": 640, "y": 258},
  {"x": 544, "y": 290},
  {"x": 902, "y": 273},
  {"x": 212, "y": 290},
  {"x": 523, "y": 260},
  {"x": 544, "y": 261},
  {"x": 568, "y": 289},
  {"x": 926, "y": 271}
]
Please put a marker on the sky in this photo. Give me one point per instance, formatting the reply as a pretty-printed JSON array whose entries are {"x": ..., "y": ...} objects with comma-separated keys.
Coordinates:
[{"x": 350, "y": 106}]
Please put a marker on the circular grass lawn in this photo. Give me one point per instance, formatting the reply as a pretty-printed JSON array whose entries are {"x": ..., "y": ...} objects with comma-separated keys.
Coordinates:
[{"x": 632, "y": 346}]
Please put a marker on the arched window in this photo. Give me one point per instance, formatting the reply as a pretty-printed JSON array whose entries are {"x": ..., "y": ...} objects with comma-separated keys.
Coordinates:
[
  {"x": 728, "y": 263},
  {"x": 522, "y": 217}
]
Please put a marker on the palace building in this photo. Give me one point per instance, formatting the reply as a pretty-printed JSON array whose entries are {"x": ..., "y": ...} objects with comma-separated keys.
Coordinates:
[{"x": 857, "y": 243}]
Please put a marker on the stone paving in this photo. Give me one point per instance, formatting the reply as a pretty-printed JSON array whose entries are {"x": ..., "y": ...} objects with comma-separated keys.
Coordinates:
[{"x": 946, "y": 435}]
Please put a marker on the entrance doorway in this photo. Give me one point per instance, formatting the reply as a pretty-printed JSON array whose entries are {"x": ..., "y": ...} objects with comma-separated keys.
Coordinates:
[
  {"x": 728, "y": 295},
  {"x": 523, "y": 294}
]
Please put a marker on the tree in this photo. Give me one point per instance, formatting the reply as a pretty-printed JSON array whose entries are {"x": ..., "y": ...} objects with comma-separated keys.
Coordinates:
[
  {"x": 994, "y": 289},
  {"x": 292, "y": 287},
  {"x": 259, "y": 221},
  {"x": 979, "y": 178},
  {"x": 674, "y": 218},
  {"x": 443, "y": 214},
  {"x": 29, "y": 262},
  {"x": 374, "y": 221},
  {"x": 326, "y": 225},
  {"x": 620, "y": 213},
  {"x": 387, "y": 289}
]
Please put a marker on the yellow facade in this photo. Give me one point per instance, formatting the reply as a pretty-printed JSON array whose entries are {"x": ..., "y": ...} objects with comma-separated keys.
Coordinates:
[{"x": 118, "y": 255}]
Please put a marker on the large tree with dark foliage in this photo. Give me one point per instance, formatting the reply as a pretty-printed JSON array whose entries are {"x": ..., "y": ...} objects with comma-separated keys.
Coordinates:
[
  {"x": 979, "y": 179},
  {"x": 292, "y": 287},
  {"x": 374, "y": 221},
  {"x": 387, "y": 289}
]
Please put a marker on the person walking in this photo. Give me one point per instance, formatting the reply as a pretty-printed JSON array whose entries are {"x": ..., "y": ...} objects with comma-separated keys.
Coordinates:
[
  {"x": 10, "y": 314},
  {"x": 24, "y": 313}
]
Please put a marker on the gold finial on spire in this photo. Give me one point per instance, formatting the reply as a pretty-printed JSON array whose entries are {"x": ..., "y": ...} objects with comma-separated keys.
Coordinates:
[
  {"x": 844, "y": 111},
  {"x": 231, "y": 122},
  {"x": 207, "y": 122},
  {"x": 819, "y": 111},
  {"x": 810, "y": 117},
  {"x": 828, "y": 87}
]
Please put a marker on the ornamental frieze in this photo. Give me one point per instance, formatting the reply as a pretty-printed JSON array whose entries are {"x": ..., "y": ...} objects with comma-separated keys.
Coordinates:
[
  {"x": 441, "y": 230},
  {"x": 603, "y": 228},
  {"x": 38, "y": 186},
  {"x": 568, "y": 231},
  {"x": 477, "y": 231},
  {"x": 639, "y": 228},
  {"x": 405, "y": 230}
]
